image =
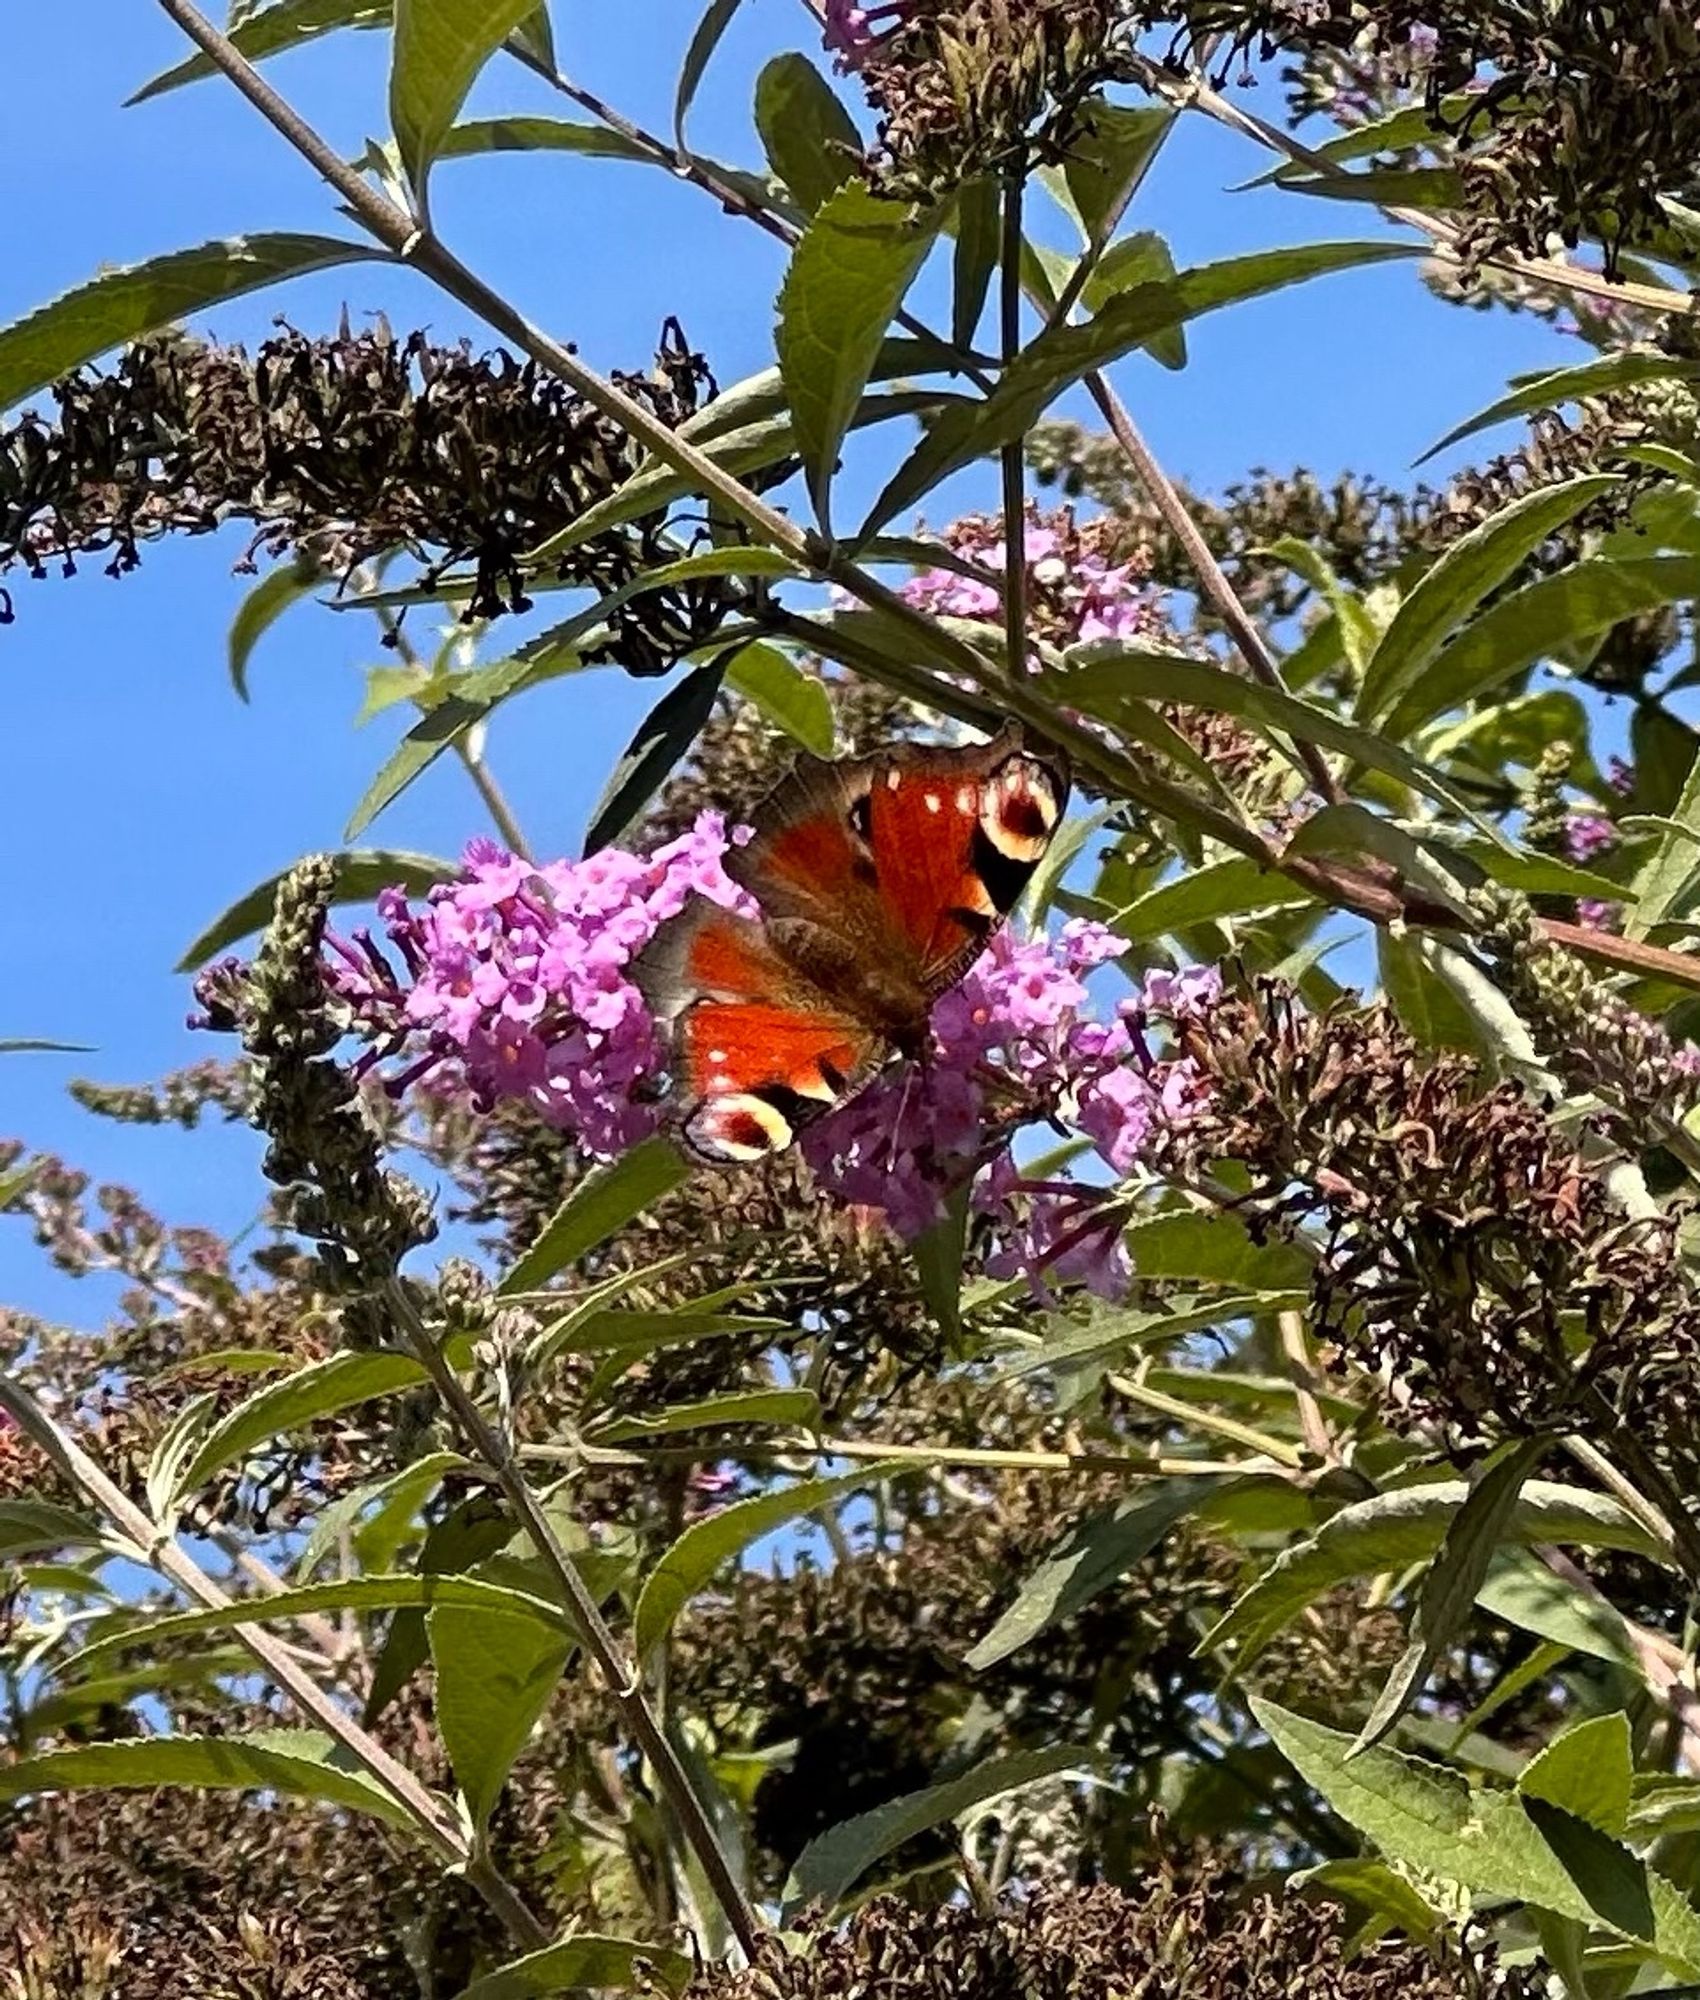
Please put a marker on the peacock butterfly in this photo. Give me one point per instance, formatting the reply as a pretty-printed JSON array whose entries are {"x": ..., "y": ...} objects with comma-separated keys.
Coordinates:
[{"x": 880, "y": 881}]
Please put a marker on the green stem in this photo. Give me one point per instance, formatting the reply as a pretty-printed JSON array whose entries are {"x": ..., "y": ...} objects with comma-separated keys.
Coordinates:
[
  {"x": 1011, "y": 458},
  {"x": 619, "y": 1674},
  {"x": 155, "y": 1545}
]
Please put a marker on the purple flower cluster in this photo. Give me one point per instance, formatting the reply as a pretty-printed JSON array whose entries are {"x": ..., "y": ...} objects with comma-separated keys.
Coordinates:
[
  {"x": 1076, "y": 593},
  {"x": 1013, "y": 1045},
  {"x": 1586, "y": 835},
  {"x": 514, "y": 980},
  {"x": 513, "y": 983},
  {"x": 850, "y": 31}
]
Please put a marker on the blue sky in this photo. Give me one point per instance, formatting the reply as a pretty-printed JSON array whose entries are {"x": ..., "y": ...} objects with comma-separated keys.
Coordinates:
[{"x": 141, "y": 797}]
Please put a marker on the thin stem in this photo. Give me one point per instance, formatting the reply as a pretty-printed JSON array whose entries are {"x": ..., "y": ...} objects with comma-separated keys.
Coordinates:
[
  {"x": 430, "y": 1817},
  {"x": 973, "y": 1458},
  {"x": 1647, "y": 1474},
  {"x": 1194, "y": 1417},
  {"x": 495, "y": 802},
  {"x": 1318, "y": 1437},
  {"x": 620, "y": 1676},
  {"x": 1196, "y": 91},
  {"x": 1011, "y": 457},
  {"x": 1214, "y": 584},
  {"x": 687, "y": 166}
]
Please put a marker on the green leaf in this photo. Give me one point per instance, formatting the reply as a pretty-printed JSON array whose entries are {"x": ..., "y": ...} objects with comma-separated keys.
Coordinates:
[
  {"x": 1449, "y": 1589},
  {"x": 495, "y": 1674},
  {"x": 1143, "y": 258},
  {"x": 1430, "y": 1819},
  {"x": 1060, "y": 357},
  {"x": 810, "y": 139},
  {"x": 1111, "y": 1330},
  {"x": 795, "y": 1409},
  {"x": 836, "y": 1859},
  {"x": 1522, "y": 1591},
  {"x": 1537, "y": 622},
  {"x": 295, "y": 1762},
  {"x": 1236, "y": 887},
  {"x": 378, "y": 1514},
  {"x": 1376, "y": 1888},
  {"x": 401, "y": 1592},
  {"x": 1088, "y": 1559},
  {"x": 847, "y": 277},
  {"x": 716, "y": 19},
  {"x": 1393, "y": 1530},
  {"x": 281, "y": 25},
  {"x": 30, "y": 1527},
  {"x": 1212, "y": 1246},
  {"x": 321, "y": 1390},
  {"x": 1470, "y": 569},
  {"x": 135, "y": 299},
  {"x": 474, "y": 136},
  {"x": 269, "y": 599},
  {"x": 938, "y": 1253},
  {"x": 978, "y": 216},
  {"x": 1359, "y": 632},
  {"x": 1567, "y": 385},
  {"x": 1661, "y": 883},
  {"x": 440, "y": 46},
  {"x": 664, "y": 736},
  {"x": 704, "y": 1547},
  {"x": 581, "y": 1961},
  {"x": 744, "y": 448},
  {"x": 34, "y": 1045},
  {"x": 1107, "y": 684},
  {"x": 1425, "y": 1004},
  {"x": 791, "y": 699},
  {"x": 1111, "y": 149},
  {"x": 1588, "y": 1771},
  {"x": 603, "y": 1202},
  {"x": 361, "y": 873}
]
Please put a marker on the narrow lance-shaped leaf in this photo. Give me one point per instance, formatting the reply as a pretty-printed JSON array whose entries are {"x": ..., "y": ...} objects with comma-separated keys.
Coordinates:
[
  {"x": 715, "y": 20},
  {"x": 789, "y": 698},
  {"x": 495, "y": 1674},
  {"x": 583, "y": 1962},
  {"x": 440, "y": 46},
  {"x": 1088, "y": 1560},
  {"x": 361, "y": 874},
  {"x": 1566, "y": 385},
  {"x": 264, "y": 605},
  {"x": 809, "y": 138},
  {"x": 976, "y": 256},
  {"x": 1059, "y": 358},
  {"x": 1473, "y": 567},
  {"x": 337, "y": 1383},
  {"x": 703, "y": 1548},
  {"x": 603, "y": 1202},
  {"x": 280, "y": 25},
  {"x": 1449, "y": 1590},
  {"x": 662, "y": 739},
  {"x": 1660, "y": 884},
  {"x": 295, "y": 1762},
  {"x": 835, "y": 1860},
  {"x": 139, "y": 298},
  {"x": 1431, "y": 1820},
  {"x": 846, "y": 279}
]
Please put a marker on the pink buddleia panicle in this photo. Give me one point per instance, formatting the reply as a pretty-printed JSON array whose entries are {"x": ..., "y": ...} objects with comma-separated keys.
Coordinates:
[{"x": 513, "y": 983}]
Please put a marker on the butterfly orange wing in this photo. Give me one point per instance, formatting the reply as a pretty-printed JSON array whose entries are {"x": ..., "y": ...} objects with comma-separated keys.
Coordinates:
[
  {"x": 757, "y": 1051},
  {"x": 912, "y": 859}
]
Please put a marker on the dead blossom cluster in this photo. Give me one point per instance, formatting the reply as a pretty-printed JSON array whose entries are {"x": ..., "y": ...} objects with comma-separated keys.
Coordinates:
[
  {"x": 1168, "y": 1941},
  {"x": 1468, "y": 1247},
  {"x": 341, "y": 450}
]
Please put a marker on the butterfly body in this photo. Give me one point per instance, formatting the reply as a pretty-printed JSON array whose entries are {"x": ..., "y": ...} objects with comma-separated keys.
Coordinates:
[{"x": 880, "y": 881}]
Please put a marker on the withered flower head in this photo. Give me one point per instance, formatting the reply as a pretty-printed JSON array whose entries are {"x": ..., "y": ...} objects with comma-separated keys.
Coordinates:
[
  {"x": 324, "y": 1152},
  {"x": 1467, "y": 1246},
  {"x": 342, "y": 449},
  {"x": 1198, "y": 1942},
  {"x": 968, "y": 87},
  {"x": 1568, "y": 118}
]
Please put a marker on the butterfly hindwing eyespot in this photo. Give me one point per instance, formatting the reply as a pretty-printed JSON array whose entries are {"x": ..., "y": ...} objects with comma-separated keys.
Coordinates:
[{"x": 735, "y": 1128}]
